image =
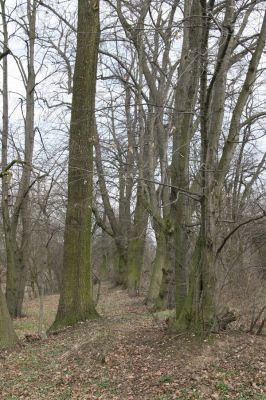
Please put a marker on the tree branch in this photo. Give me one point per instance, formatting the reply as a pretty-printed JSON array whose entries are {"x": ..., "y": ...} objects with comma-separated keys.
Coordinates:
[
  {"x": 4, "y": 54},
  {"x": 236, "y": 229}
]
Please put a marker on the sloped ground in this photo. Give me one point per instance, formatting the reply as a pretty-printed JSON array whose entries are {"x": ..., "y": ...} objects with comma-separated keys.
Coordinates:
[{"x": 127, "y": 355}]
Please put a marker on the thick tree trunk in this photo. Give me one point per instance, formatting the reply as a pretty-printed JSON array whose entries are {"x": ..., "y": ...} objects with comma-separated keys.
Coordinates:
[
  {"x": 120, "y": 267},
  {"x": 15, "y": 286},
  {"x": 8, "y": 338},
  {"x": 166, "y": 297},
  {"x": 76, "y": 297},
  {"x": 198, "y": 311},
  {"x": 16, "y": 275}
]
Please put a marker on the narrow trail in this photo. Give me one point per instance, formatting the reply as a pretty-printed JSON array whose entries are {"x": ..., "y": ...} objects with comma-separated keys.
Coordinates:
[{"x": 127, "y": 355}]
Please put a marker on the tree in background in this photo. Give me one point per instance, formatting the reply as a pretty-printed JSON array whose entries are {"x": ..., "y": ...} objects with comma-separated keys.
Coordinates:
[{"x": 17, "y": 244}]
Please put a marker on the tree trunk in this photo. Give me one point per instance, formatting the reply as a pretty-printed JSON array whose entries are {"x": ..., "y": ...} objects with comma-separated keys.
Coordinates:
[
  {"x": 185, "y": 100},
  {"x": 158, "y": 265},
  {"x": 166, "y": 297},
  {"x": 8, "y": 337},
  {"x": 137, "y": 245},
  {"x": 18, "y": 261},
  {"x": 104, "y": 256},
  {"x": 120, "y": 267},
  {"x": 76, "y": 297}
]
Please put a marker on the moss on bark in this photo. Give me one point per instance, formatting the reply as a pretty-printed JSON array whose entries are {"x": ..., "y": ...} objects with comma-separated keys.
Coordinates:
[
  {"x": 198, "y": 311},
  {"x": 8, "y": 337},
  {"x": 76, "y": 297}
]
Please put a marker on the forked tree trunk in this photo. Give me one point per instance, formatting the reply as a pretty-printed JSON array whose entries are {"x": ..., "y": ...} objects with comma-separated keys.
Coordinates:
[{"x": 76, "y": 297}]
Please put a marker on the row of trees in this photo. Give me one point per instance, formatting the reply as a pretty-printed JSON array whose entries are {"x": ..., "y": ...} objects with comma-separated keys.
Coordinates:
[{"x": 176, "y": 125}]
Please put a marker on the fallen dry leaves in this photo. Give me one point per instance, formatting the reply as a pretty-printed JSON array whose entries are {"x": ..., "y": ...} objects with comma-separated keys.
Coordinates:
[{"x": 125, "y": 355}]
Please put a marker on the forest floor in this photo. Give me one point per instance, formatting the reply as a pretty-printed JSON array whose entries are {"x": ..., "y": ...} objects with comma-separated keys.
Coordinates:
[{"x": 126, "y": 355}]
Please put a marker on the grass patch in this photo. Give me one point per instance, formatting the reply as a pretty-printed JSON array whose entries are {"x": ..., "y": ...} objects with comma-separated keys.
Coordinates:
[{"x": 223, "y": 387}]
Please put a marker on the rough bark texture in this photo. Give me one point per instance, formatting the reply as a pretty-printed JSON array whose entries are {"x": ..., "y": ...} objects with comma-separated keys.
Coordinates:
[{"x": 76, "y": 299}]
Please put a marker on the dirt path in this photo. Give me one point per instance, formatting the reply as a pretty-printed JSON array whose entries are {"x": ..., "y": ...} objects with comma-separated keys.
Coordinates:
[{"x": 127, "y": 355}]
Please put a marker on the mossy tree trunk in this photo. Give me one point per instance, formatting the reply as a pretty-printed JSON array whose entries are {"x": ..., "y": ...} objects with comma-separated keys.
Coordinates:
[
  {"x": 76, "y": 298},
  {"x": 166, "y": 296},
  {"x": 8, "y": 337}
]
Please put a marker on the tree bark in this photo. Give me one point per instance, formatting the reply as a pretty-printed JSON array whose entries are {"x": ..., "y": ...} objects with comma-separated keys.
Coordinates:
[
  {"x": 185, "y": 101},
  {"x": 76, "y": 297},
  {"x": 157, "y": 267},
  {"x": 8, "y": 336},
  {"x": 137, "y": 245}
]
